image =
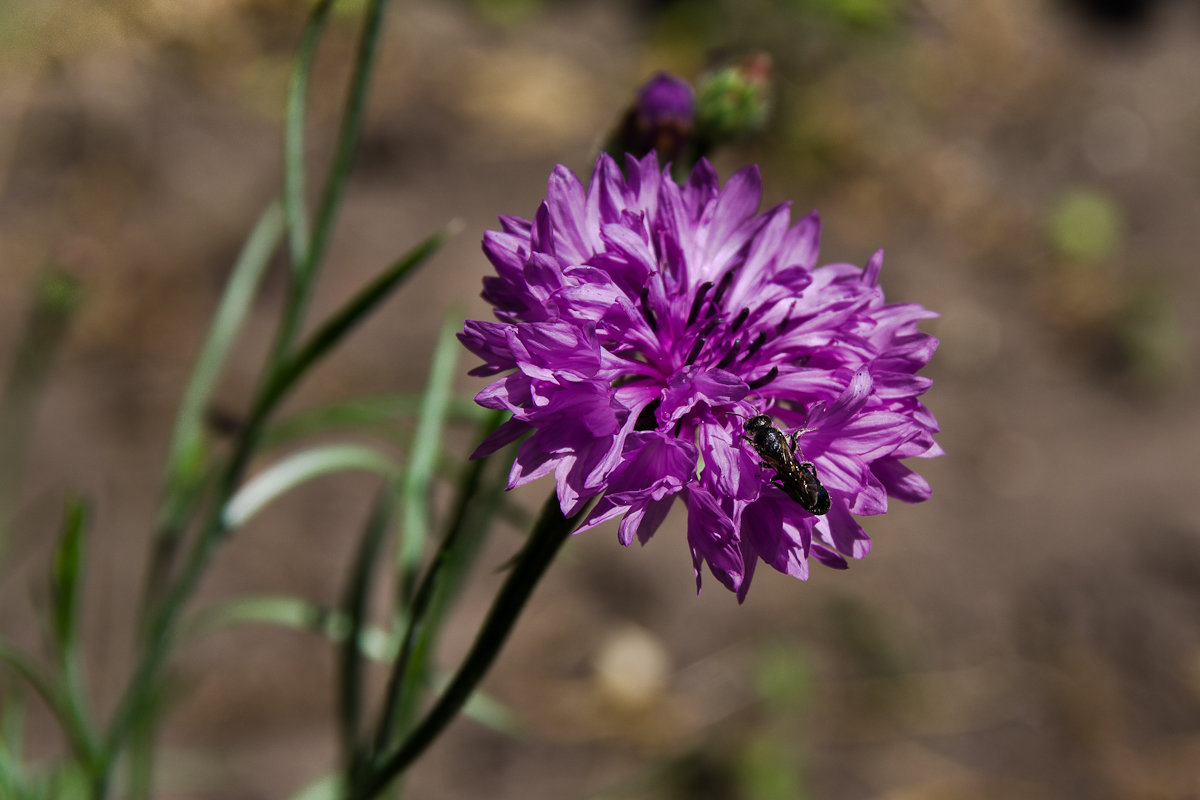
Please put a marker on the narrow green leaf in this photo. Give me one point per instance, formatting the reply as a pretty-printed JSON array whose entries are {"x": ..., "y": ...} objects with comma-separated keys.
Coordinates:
[
  {"x": 66, "y": 593},
  {"x": 484, "y": 709},
  {"x": 69, "y": 782},
  {"x": 179, "y": 509},
  {"x": 12, "y": 777},
  {"x": 548, "y": 535},
  {"x": 295, "y": 613},
  {"x": 299, "y": 468},
  {"x": 304, "y": 275},
  {"x": 188, "y": 473},
  {"x": 365, "y": 413},
  {"x": 422, "y": 460},
  {"x": 56, "y": 298},
  {"x": 409, "y": 672},
  {"x": 349, "y": 316},
  {"x": 140, "y": 757},
  {"x": 293, "y": 136},
  {"x": 67, "y": 575},
  {"x": 12, "y": 728},
  {"x": 329, "y": 787},
  {"x": 52, "y": 694},
  {"x": 282, "y": 610},
  {"x": 185, "y": 456},
  {"x": 482, "y": 497},
  {"x": 354, "y": 607},
  {"x": 351, "y": 124}
]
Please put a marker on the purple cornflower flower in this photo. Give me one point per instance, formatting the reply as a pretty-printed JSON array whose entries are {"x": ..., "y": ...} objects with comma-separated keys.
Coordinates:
[{"x": 641, "y": 323}]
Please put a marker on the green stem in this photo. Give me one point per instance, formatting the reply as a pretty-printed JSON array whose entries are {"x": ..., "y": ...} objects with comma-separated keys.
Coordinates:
[
  {"x": 335, "y": 182},
  {"x": 293, "y": 136},
  {"x": 548, "y": 535},
  {"x": 187, "y": 470},
  {"x": 474, "y": 512},
  {"x": 421, "y": 602},
  {"x": 68, "y": 715},
  {"x": 56, "y": 300},
  {"x": 355, "y": 607}
]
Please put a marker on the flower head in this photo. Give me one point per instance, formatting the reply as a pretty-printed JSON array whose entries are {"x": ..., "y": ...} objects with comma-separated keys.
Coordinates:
[{"x": 642, "y": 323}]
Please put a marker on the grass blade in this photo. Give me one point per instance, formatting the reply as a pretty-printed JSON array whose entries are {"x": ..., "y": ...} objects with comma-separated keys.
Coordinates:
[
  {"x": 548, "y": 535},
  {"x": 339, "y": 170},
  {"x": 348, "y": 317},
  {"x": 460, "y": 544},
  {"x": 368, "y": 414},
  {"x": 408, "y": 673},
  {"x": 354, "y": 607},
  {"x": 293, "y": 137},
  {"x": 347, "y": 141},
  {"x": 422, "y": 460},
  {"x": 328, "y": 787},
  {"x": 296, "y": 613},
  {"x": 187, "y": 469},
  {"x": 185, "y": 453},
  {"x": 56, "y": 298},
  {"x": 66, "y": 593},
  {"x": 299, "y": 468},
  {"x": 12, "y": 737},
  {"x": 53, "y": 696},
  {"x": 66, "y": 577}
]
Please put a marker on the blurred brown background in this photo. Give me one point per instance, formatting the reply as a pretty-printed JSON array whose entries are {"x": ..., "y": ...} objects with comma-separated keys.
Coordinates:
[{"x": 1033, "y": 171}]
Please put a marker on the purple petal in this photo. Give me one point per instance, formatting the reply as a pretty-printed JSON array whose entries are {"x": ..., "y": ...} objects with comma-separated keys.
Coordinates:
[
  {"x": 900, "y": 481},
  {"x": 802, "y": 243},
  {"x": 505, "y": 434},
  {"x": 712, "y": 538},
  {"x": 843, "y": 533},
  {"x": 565, "y": 201},
  {"x": 828, "y": 557}
]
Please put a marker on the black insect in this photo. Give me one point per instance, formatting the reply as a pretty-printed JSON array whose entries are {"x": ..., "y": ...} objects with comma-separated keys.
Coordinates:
[{"x": 778, "y": 451}]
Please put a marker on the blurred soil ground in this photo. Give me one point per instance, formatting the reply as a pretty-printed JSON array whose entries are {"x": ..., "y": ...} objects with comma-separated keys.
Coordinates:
[{"x": 1034, "y": 175}]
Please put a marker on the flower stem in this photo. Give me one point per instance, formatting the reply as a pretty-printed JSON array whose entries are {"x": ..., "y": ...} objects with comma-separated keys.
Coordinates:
[{"x": 551, "y": 530}]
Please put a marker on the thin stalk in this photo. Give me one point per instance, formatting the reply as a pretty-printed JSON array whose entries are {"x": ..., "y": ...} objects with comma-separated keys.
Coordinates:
[
  {"x": 66, "y": 713},
  {"x": 56, "y": 299},
  {"x": 355, "y": 310},
  {"x": 293, "y": 137},
  {"x": 140, "y": 769},
  {"x": 421, "y": 603},
  {"x": 186, "y": 462},
  {"x": 355, "y": 607},
  {"x": 427, "y": 443},
  {"x": 335, "y": 182},
  {"x": 548, "y": 535},
  {"x": 431, "y": 596}
]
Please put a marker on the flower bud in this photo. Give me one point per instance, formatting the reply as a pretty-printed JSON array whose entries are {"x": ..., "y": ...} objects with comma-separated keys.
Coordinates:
[
  {"x": 733, "y": 102},
  {"x": 661, "y": 120}
]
